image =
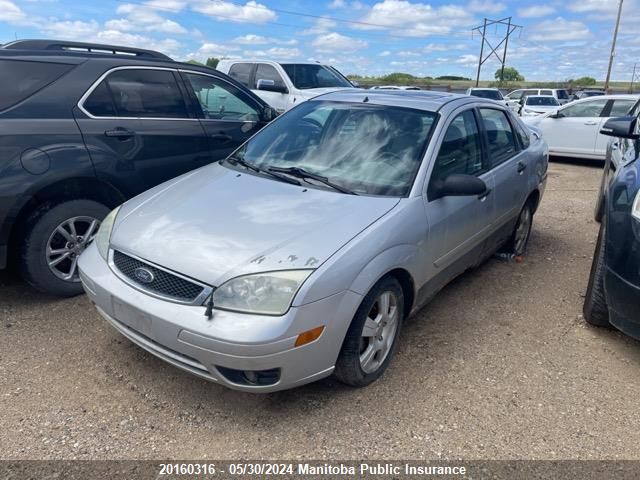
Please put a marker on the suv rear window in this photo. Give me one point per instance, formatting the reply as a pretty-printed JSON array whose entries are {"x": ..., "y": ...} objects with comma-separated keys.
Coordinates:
[{"x": 21, "y": 79}]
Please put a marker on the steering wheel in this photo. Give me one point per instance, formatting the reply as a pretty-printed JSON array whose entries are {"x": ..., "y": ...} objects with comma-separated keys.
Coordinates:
[
  {"x": 312, "y": 122},
  {"x": 390, "y": 158}
]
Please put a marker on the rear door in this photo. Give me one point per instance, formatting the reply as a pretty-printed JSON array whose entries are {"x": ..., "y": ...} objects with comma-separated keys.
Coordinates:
[
  {"x": 458, "y": 226},
  {"x": 509, "y": 164},
  {"x": 228, "y": 115},
  {"x": 277, "y": 100},
  {"x": 576, "y": 130},
  {"x": 139, "y": 130},
  {"x": 618, "y": 107}
]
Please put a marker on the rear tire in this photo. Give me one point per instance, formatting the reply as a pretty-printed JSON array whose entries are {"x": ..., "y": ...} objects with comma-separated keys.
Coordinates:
[
  {"x": 373, "y": 334},
  {"x": 595, "y": 309},
  {"x": 519, "y": 240},
  {"x": 44, "y": 243}
]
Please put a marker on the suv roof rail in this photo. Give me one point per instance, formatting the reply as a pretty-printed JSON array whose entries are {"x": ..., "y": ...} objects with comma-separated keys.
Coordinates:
[{"x": 84, "y": 47}]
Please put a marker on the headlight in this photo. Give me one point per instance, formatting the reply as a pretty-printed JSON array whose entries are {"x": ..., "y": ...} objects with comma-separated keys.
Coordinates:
[
  {"x": 104, "y": 233},
  {"x": 263, "y": 293},
  {"x": 635, "y": 209}
]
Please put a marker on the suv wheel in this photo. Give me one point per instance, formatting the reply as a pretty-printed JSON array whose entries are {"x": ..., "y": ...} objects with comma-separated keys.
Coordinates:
[
  {"x": 595, "y": 307},
  {"x": 372, "y": 337},
  {"x": 54, "y": 238}
]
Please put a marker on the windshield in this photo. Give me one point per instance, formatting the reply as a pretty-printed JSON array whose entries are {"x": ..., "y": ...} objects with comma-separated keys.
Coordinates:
[
  {"x": 367, "y": 149},
  {"x": 305, "y": 76},
  {"x": 562, "y": 94},
  {"x": 542, "y": 101},
  {"x": 490, "y": 94}
]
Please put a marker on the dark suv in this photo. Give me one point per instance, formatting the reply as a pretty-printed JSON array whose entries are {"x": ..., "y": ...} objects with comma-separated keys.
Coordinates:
[
  {"x": 84, "y": 127},
  {"x": 613, "y": 293}
]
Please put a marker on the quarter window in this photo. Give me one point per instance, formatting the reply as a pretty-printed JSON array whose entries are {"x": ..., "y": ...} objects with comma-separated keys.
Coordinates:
[
  {"x": 267, "y": 72},
  {"x": 460, "y": 152},
  {"x": 138, "y": 93},
  {"x": 501, "y": 141},
  {"x": 592, "y": 108},
  {"x": 241, "y": 72},
  {"x": 220, "y": 100}
]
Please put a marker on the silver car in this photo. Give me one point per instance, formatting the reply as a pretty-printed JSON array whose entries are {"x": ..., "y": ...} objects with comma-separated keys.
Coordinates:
[{"x": 302, "y": 253}]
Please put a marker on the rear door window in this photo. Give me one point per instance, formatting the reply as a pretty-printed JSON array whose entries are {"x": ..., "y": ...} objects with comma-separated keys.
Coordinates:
[
  {"x": 241, "y": 72},
  {"x": 501, "y": 140},
  {"x": 146, "y": 94},
  {"x": 621, "y": 107},
  {"x": 20, "y": 79}
]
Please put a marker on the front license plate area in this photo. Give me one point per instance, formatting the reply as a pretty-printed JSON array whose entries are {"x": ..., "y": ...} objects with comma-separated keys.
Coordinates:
[{"x": 132, "y": 317}]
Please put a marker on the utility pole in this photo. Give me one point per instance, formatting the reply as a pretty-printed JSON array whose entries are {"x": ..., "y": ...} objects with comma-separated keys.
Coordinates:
[
  {"x": 482, "y": 29},
  {"x": 613, "y": 47},
  {"x": 633, "y": 76}
]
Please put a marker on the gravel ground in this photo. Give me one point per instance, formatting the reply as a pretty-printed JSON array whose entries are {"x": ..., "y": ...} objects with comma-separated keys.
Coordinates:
[{"x": 500, "y": 365}]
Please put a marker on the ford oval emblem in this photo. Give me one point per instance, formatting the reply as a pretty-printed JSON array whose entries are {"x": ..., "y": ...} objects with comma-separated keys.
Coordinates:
[{"x": 144, "y": 275}]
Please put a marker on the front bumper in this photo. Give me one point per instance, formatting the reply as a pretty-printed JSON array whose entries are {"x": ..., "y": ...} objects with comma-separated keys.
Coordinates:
[
  {"x": 623, "y": 299},
  {"x": 182, "y": 335}
]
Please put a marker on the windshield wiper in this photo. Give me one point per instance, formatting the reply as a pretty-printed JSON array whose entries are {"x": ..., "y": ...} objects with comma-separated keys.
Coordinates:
[
  {"x": 233, "y": 160},
  {"x": 304, "y": 174}
]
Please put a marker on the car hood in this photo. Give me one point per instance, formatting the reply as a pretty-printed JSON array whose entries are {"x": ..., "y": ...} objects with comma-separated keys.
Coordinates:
[{"x": 217, "y": 223}]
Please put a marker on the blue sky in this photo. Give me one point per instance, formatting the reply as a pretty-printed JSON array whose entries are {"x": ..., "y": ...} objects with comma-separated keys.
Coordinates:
[{"x": 560, "y": 39}]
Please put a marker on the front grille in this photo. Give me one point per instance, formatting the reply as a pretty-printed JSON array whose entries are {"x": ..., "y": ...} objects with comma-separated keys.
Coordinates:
[{"x": 163, "y": 282}]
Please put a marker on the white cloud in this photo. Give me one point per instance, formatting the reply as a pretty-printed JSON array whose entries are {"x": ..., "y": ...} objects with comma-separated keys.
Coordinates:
[
  {"x": 338, "y": 4},
  {"x": 594, "y": 6},
  {"x": 70, "y": 29},
  {"x": 536, "y": 11},
  {"x": 209, "y": 49},
  {"x": 11, "y": 13},
  {"x": 143, "y": 17},
  {"x": 322, "y": 25},
  {"x": 251, "y": 11},
  {"x": 275, "y": 52},
  {"x": 251, "y": 39},
  {"x": 416, "y": 19},
  {"x": 336, "y": 42},
  {"x": 386, "y": 53},
  {"x": 559, "y": 30},
  {"x": 486, "y": 6}
]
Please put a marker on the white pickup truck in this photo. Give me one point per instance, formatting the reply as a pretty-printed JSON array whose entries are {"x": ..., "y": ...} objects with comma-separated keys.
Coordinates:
[{"x": 285, "y": 84}]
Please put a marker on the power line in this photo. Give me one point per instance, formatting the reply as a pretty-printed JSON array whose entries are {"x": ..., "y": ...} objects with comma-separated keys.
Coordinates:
[{"x": 511, "y": 27}]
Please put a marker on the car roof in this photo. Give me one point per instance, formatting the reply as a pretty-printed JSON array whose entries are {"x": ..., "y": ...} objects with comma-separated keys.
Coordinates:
[
  {"x": 484, "y": 88},
  {"x": 266, "y": 60},
  {"x": 625, "y": 96},
  {"x": 431, "y": 101}
]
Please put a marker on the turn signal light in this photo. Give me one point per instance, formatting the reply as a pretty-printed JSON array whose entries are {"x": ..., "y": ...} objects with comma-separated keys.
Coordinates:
[{"x": 309, "y": 336}]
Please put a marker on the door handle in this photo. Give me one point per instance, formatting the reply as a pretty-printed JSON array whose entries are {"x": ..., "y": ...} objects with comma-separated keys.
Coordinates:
[
  {"x": 482, "y": 197},
  {"x": 521, "y": 167},
  {"x": 221, "y": 137},
  {"x": 120, "y": 133},
  {"x": 590, "y": 123}
]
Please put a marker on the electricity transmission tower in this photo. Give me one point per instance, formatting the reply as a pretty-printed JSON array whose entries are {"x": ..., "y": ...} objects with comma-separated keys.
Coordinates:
[{"x": 482, "y": 30}]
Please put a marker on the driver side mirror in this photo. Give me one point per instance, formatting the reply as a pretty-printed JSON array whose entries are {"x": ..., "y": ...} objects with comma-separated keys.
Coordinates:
[
  {"x": 269, "y": 114},
  {"x": 459, "y": 185},
  {"x": 556, "y": 114},
  {"x": 623, "y": 127},
  {"x": 270, "y": 86}
]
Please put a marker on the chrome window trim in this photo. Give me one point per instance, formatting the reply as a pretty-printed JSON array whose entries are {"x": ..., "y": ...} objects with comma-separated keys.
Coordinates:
[
  {"x": 198, "y": 301},
  {"x": 127, "y": 67}
]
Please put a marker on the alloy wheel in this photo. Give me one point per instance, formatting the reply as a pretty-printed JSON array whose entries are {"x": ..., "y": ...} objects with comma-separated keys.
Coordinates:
[
  {"x": 522, "y": 231},
  {"x": 67, "y": 242},
  {"x": 379, "y": 332}
]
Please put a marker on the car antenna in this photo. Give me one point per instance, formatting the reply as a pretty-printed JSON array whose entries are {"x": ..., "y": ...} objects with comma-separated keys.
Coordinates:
[{"x": 209, "y": 311}]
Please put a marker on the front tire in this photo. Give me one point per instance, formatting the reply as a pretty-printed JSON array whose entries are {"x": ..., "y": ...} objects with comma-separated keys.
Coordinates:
[
  {"x": 372, "y": 337},
  {"x": 54, "y": 238},
  {"x": 595, "y": 309}
]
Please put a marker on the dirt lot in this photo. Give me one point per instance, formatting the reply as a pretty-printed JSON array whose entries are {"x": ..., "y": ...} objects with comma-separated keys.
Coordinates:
[{"x": 499, "y": 365}]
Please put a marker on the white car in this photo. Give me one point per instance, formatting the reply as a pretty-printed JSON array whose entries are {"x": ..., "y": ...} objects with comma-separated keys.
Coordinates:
[
  {"x": 535, "y": 105},
  {"x": 396, "y": 87},
  {"x": 283, "y": 85},
  {"x": 573, "y": 130},
  {"x": 513, "y": 98},
  {"x": 490, "y": 93}
]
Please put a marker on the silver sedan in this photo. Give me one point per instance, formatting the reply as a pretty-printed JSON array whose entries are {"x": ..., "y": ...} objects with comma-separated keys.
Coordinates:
[{"x": 302, "y": 253}]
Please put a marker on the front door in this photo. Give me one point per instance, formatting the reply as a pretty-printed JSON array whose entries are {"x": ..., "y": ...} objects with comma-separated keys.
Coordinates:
[
  {"x": 277, "y": 100},
  {"x": 576, "y": 129},
  {"x": 138, "y": 129},
  {"x": 228, "y": 115},
  {"x": 458, "y": 226}
]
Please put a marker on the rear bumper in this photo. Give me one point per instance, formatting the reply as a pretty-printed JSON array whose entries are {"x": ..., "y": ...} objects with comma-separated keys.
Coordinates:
[{"x": 623, "y": 299}]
